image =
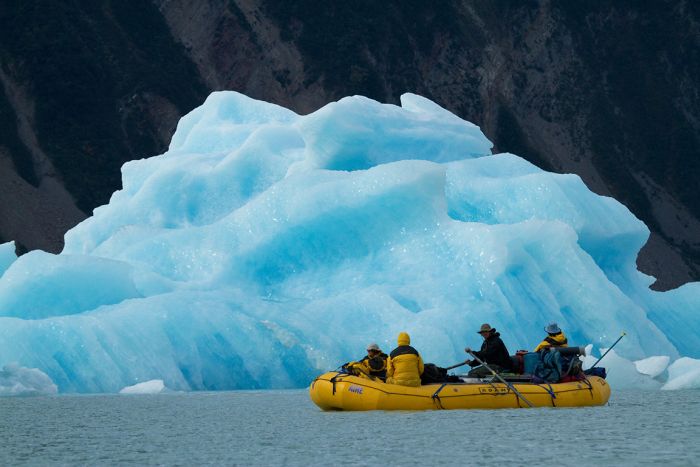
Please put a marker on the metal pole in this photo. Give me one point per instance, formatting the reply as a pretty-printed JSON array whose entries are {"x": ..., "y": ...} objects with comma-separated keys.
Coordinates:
[
  {"x": 457, "y": 365},
  {"x": 609, "y": 349}
]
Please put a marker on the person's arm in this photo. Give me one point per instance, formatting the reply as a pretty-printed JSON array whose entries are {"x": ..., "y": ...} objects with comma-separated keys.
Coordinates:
[
  {"x": 471, "y": 363},
  {"x": 389, "y": 367},
  {"x": 421, "y": 367},
  {"x": 481, "y": 353}
]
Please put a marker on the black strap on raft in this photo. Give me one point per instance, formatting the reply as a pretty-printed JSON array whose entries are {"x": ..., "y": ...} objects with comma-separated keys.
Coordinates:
[
  {"x": 589, "y": 384},
  {"x": 333, "y": 379},
  {"x": 550, "y": 391},
  {"x": 554, "y": 396},
  {"x": 436, "y": 397}
]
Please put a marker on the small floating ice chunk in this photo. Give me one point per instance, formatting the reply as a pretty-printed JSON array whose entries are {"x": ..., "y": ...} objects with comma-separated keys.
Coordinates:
[
  {"x": 684, "y": 373},
  {"x": 16, "y": 380},
  {"x": 653, "y": 366},
  {"x": 621, "y": 373},
  {"x": 154, "y": 386}
]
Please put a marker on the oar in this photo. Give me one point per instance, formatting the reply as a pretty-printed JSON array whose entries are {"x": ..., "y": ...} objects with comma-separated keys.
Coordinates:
[
  {"x": 609, "y": 349},
  {"x": 457, "y": 365},
  {"x": 512, "y": 388}
]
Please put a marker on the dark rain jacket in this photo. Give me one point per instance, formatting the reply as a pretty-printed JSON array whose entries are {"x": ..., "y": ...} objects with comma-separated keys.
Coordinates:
[{"x": 493, "y": 351}]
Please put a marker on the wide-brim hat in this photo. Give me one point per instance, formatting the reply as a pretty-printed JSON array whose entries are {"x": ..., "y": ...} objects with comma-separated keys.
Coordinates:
[
  {"x": 486, "y": 327},
  {"x": 373, "y": 346},
  {"x": 552, "y": 328}
]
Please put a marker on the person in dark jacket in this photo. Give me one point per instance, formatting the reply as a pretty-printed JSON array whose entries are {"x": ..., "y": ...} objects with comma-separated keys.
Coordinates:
[
  {"x": 493, "y": 352},
  {"x": 375, "y": 361}
]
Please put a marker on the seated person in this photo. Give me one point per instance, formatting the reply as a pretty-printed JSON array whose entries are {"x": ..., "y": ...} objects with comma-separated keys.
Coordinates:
[
  {"x": 374, "y": 363},
  {"x": 555, "y": 338},
  {"x": 405, "y": 365},
  {"x": 493, "y": 353}
]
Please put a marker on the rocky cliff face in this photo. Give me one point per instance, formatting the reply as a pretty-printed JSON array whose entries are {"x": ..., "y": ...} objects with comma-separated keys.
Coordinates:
[{"x": 607, "y": 90}]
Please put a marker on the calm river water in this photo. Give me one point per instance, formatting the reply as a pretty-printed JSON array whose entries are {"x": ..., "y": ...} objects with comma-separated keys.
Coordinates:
[{"x": 285, "y": 428}]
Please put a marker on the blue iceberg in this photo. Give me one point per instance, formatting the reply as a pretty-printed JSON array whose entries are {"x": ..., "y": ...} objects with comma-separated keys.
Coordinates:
[{"x": 265, "y": 247}]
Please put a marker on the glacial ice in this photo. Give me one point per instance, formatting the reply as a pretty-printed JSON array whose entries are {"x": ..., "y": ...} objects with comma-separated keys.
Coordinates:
[
  {"x": 155, "y": 386},
  {"x": 684, "y": 373},
  {"x": 621, "y": 372},
  {"x": 653, "y": 366},
  {"x": 265, "y": 247},
  {"x": 7, "y": 256},
  {"x": 20, "y": 381}
]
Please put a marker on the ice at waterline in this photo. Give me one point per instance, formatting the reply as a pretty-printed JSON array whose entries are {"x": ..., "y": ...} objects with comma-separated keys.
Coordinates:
[{"x": 265, "y": 247}]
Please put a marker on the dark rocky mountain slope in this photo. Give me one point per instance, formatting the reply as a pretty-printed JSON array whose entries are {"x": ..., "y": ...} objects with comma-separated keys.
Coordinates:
[{"x": 604, "y": 89}]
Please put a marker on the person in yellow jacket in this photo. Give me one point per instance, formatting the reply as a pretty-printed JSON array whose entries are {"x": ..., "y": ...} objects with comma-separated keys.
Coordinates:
[
  {"x": 405, "y": 365},
  {"x": 372, "y": 365},
  {"x": 555, "y": 338}
]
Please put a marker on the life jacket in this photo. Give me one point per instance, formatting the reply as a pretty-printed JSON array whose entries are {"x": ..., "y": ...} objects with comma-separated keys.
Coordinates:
[{"x": 404, "y": 367}]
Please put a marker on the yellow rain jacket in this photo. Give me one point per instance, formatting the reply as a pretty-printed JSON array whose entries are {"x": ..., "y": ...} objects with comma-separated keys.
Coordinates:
[
  {"x": 553, "y": 340},
  {"x": 405, "y": 365}
]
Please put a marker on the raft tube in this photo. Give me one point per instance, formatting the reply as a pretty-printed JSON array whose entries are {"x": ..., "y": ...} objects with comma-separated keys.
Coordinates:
[{"x": 340, "y": 391}]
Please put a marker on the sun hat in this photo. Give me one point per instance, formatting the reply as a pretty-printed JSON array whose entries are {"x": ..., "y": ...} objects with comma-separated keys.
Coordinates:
[
  {"x": 552, "y": 328},
  {"x": 373, "y": 346},
  {"x": 486, "y": 327}
]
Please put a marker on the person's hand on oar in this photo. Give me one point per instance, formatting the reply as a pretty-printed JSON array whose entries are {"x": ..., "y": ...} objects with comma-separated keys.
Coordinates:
[{"x": 469, "y": 351}]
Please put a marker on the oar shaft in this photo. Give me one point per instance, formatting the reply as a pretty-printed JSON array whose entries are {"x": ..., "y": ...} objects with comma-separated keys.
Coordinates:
[
  {"x": 609, "y": 349},
  {"x": 510, "y": 386},
  {"x": 457, "y": 365}
]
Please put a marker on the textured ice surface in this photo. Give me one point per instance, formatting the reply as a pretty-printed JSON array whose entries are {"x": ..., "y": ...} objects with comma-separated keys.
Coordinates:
[
  {"x": 154, "y": 386},
  {"x": 265, "y": 247},
  {"x": 621, "y": 372},
  {"x": 652, "y": 366},
  {"x": 19, "y": 381},
  {"x": 684, "y": 373}
]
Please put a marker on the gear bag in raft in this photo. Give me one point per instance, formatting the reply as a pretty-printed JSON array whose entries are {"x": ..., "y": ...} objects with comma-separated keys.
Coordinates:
[
  {"x": 548, "y": 368},
  {"x": 433, "y": 374}
]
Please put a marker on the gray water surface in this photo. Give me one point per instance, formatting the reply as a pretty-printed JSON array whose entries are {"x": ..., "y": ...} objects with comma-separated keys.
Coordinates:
[{"x": 285, "y": 428}]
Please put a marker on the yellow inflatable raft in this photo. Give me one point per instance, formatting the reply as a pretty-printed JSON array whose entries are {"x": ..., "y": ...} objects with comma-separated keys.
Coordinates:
[{"x": 340, "y": 391}]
